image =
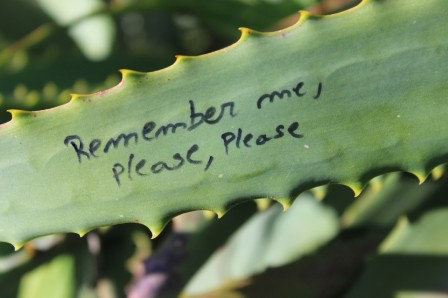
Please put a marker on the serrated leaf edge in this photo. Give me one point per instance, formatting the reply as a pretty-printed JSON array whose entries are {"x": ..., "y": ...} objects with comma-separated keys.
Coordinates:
[{"x": 130, "y": 75}]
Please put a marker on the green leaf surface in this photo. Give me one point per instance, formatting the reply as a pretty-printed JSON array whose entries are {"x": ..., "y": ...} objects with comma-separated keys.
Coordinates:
[{"x": 364, "y": 93}]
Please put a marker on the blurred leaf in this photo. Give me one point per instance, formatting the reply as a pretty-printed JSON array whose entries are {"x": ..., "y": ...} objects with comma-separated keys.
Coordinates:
[
  {"x": 71, "y": 246},
  {"x": 224, "y": 16},
  {"x": 268, "y": 239},
  {"x": 413, "y": 260},
  {"x": 19, "y": 17},
  {"x": 422, "y": 237},
  {"x": 324, "y": 274},
  {"x": 55, "y": 279},
  {"x": 382, "y": 206},
  {"x": 117, "y": 246},
  {"x": 169, "y": 269},
  {"x": 93, "y": 35}
]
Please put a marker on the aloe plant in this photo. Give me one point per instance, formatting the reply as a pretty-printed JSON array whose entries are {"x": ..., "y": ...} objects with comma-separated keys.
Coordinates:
[{"x": 336, "y": 99}]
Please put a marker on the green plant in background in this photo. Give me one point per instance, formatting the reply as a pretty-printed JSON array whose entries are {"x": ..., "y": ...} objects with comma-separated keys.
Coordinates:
[{"x": 338, "y": 99}]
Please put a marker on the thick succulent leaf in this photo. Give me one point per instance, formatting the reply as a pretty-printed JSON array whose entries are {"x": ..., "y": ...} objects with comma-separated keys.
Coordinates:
[
  {"x": 268, "y": 239},
  {"x": 333, "y": 99}
]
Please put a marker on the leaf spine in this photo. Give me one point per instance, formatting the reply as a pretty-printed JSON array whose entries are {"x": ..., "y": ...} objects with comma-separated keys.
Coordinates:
[
  {"x": 320, "y": 192},
  {"x": 82, "y": 233},
  {"x": 78, "y": 97},
  {"x": 17, "y": 246},
  {"x": 155, "y": 231},
  {"x": 208, "y": 214},
  {"x": 18, "y": 114},
  {"x": 263, "y": 204},
  {"x": 376, "y": 183},
  {"x": 286, "y": 203},
  {"x": 220, "y": 213},
  {"x": 356, "y": 187},
  {"x": 128, "y": 74},
  {"x": 421, "y": 176},
  {"x": 438, "y": 172}
]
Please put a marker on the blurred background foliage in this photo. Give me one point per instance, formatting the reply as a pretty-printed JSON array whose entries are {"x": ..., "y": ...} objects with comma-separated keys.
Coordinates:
[{"x": 389, "y": 242}]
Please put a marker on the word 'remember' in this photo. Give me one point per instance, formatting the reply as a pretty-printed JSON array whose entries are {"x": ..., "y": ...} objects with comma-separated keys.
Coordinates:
[{"x": 150, "y": 131}]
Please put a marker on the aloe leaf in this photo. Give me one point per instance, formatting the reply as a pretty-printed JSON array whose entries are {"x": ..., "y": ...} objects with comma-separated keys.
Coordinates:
[{"x": 353, "y": 95}]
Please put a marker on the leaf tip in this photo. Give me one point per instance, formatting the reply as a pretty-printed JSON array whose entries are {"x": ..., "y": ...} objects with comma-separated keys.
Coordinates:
[
  {"x": 19, "y": 114},
  {"x": 220, "y": 213},
  {"x": 320, "y": 192},
  {"x": 78, "y": 97},
  {"x": 247, "y": 32},
  {"x": 183, "y": 58},
  {"x": 438, "y": 172},
  {"x": 305, "y": 15},
  {"x": 263, "y": 204},
  {"x": 155, "y": 229},
  {"x": 130, "y": 74},
  {"x": 208, "y": 214},
  {"x": 356, "y": 187},
  {"x": 421, "y": 176},
  {"x": 286, "y": 203},
  {"x": 82, "y": 233},
  {"x": 376, "y": 184},
  {"x": 17, "y": 247}
]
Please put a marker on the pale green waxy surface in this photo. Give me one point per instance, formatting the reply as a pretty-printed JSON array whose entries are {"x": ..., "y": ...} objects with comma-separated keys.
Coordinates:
[
  {"x": 382, "y": 107},
  {"x": 269, "y": 239},
  {"x": 53, "y": 279}
]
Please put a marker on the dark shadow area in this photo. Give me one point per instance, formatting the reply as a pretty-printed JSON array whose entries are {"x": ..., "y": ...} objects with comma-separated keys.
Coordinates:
[
  {"x": 438, "y": 200},
  {"x": 387, "y": 275},
  {"x": 325, "y": 274},
  {"x": 10, "y": 281}
]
